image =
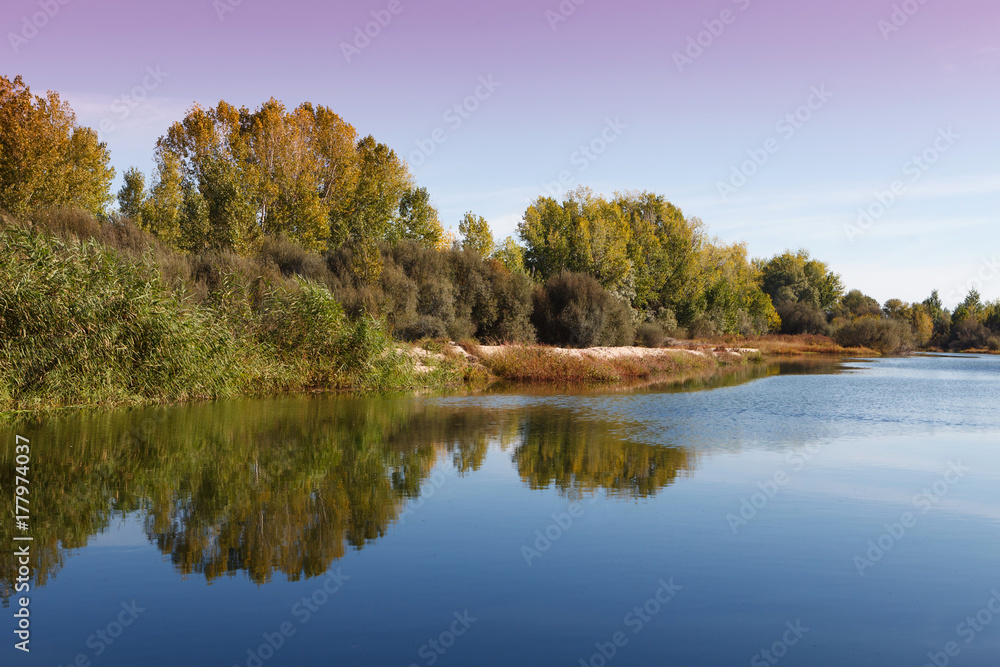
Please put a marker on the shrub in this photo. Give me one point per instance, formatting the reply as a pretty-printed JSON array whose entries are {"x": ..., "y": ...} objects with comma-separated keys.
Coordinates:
[
  {"x": 650, "y": 334},
  {"x": 702, "y": 326},
  {"x": 801, "y": 318},
  {"x": 292, "y": 260},
  {"x": 993, "y": 344},
  {"x": 424, "y": 292},
  {"x": 424, "y": 326},
  {"x": 83, "y": 323},
  {"x": 667, "y": 320},
  {"x": 970, "y": 334},
  {"x": 79, "y": 323},
  {"x": 885, "y": 336},
  {"x": 573, "y": 309}
]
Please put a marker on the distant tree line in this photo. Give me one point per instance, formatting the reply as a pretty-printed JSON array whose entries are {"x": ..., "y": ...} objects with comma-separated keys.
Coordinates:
[{"x": 300, "y": 189}]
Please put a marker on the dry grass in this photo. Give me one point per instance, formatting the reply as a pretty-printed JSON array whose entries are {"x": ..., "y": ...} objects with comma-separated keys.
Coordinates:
[
  {"x": 801, "y": 345},
  {"x": 541, "y": 365}
]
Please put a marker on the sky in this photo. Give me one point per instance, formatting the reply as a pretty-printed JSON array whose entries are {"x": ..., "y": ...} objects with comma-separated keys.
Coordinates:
[{"x": 863, "y": 131}]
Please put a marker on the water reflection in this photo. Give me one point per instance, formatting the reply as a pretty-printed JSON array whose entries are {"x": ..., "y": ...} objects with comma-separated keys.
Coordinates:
[{"x": 286, "y": 486}]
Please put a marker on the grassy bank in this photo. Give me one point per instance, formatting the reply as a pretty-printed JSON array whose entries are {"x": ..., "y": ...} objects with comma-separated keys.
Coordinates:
[
  {"x": 113, "y": 318},
  {"x": 798, "y": 346},
  {"x": 98, "y": 314}
]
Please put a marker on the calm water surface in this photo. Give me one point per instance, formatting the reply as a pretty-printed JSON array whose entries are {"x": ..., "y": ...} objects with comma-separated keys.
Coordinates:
[{"x": 823, "y": 513}]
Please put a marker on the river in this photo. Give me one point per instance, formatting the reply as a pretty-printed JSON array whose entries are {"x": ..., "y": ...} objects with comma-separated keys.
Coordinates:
[{"x": 796, "y": 513}]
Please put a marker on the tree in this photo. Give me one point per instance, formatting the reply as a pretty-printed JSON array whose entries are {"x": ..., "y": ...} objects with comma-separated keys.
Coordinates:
[
  {"x": 857, "y": 304},
  {"x": 161, "y": 214},
  {"x": 895, "y": 309},
  {"x": 476, "y": 234},
  {"x": 733, "y": 298},
  {"x": 132, "y": 194},
  {"x": 372, "y": 213},
  {"x": 970, "y": 309},
  {"x": 584, "y": 234},
  {"x": 802, "y": 289},
  {"x": 418, "y": 220},
  {"x": 667, "y": 252},
  {"x": 245, "y": 175},
  {"x": 46, "y": 158},
  {"x": 511, "y": 255}
]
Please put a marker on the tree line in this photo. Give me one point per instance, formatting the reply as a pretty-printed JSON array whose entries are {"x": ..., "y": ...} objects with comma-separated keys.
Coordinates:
[{"x": 301, "y": 187}]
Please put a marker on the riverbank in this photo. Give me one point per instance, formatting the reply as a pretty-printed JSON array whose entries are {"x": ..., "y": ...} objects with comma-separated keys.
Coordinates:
[
  {"x": 98, "y": 315},
  {"x": 477, "y": 366}
]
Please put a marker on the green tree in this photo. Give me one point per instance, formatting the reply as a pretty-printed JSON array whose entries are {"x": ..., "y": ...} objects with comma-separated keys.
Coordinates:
[
  {"x": 970, "y": 309},
  {"x": 583, "y": 234},
  {"x": 418, "y": 219},
  {"x": 511, "y": 255},
  {"x": 476, "y": 234},
  {"x": 132, "y": 194},
  {"x": 856, "y": 304},
  {"x": 161, "y": 213},
  {"x": 668, "y": 255},
  {"x": 895, "y": 309}
]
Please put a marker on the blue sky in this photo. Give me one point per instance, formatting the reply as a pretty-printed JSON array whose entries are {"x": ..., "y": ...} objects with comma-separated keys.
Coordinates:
[{"x": 873, "y": 83}]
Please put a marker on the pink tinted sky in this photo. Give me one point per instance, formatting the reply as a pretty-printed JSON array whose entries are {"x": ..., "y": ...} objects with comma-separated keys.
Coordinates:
[{"x": 560, "y": 83}]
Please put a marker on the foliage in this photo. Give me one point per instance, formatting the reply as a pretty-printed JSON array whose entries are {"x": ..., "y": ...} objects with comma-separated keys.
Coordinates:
[
  {"x": 81, "y": 324},
  {"x": 650, "y": 334},
  {"x": 884, "y": 335},
  {"x": 857, "y": 304},
  {"x": 418, "y": 219},
  {"x": 584, "y": 234},
  {"x": 797, "y": 278},
  {"x": 511, "y": 255},
  {"x": 428, "y": 293},
  {"x": 642, "y": 249},
  {"x": 572, "y": 309},
  {"x": 228, "y": 178},
  {"x": 99, "y": 313},
  {"x": 46, "y": 159},
  {"x": 476, "y": 234}
]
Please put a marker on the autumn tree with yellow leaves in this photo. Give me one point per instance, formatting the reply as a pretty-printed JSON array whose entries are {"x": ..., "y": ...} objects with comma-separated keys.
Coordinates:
[
  {"x": 46, "y": 159},
  {"x": 227, "y": 178}
]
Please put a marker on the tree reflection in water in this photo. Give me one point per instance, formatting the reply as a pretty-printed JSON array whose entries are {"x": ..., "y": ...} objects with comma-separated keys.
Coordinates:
[{"x": 261, "y": 487}]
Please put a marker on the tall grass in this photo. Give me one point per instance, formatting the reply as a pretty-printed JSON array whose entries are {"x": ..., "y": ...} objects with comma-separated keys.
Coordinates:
[{"x": 98, "y": 314}]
